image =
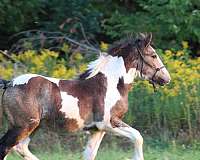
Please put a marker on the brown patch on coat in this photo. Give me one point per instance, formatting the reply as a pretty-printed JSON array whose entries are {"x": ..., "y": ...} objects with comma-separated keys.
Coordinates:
[
  {"x": 37, "y": 99},
  {"x": 116, "y": 122},
  {"x": 14, "y": 135},
  {"x": 71, "y": 124},
  {"x": 90, "y": 93},
  {"x": 41, "y": 99},
  {"x": 121, "y": 107}
]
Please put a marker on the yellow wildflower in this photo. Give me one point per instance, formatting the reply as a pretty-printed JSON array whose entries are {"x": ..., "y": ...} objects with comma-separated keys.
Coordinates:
[
  {"x": 1, "y": 57},
  {"x": 59, "y": 71},
  {"x": 104, "y": 46},
  {"x": 180, "y": 53},
  {"x": 168, "y": 54},
  {"x": 47, "y": 53},
  {"x": 38, "y": 62},
  {"x": 65, "y": 47},
  {"x": 78, "y": 56},
  {"x": 82, "y": 68},
  {"x": 71, "y": 73},
  {"x": 6, "y": 73},
  {"x": 185, "y": 44}
]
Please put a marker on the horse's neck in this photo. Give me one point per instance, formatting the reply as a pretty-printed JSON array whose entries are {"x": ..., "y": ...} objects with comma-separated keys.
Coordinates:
[
  {"x": 114, "y": 69},
  {"x": 124, "y": 88}
]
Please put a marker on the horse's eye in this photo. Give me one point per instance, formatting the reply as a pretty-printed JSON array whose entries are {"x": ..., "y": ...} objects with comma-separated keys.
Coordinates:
[{"x": 154, "y": 56}]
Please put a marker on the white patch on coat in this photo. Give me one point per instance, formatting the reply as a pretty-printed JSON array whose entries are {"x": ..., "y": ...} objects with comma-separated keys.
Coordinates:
[
  {"x": 113, "y": 68},
  {"x": 23, "y": 79},
  {"x": 130, "y": 76},
  {"x": 70, "y": 108}
]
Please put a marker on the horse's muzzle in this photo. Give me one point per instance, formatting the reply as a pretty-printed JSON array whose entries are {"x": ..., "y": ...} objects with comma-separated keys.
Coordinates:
[{"x": 163, "y": 81}]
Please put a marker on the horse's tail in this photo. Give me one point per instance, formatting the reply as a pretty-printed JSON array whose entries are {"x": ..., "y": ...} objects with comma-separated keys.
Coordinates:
[{"x": 3, "y": 85}]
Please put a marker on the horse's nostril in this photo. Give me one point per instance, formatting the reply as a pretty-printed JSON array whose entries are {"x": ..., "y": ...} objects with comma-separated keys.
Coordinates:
[
  {"x": 163, "y": 81},
  {"x": 168, "y": 80}
]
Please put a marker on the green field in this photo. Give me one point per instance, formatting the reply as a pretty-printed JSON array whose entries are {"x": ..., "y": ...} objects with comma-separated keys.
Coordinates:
[{"x": 173, "y": 153}]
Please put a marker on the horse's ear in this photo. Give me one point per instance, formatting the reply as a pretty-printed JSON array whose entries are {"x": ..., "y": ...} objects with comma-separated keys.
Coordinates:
[
  {"x": 148, "y": 39},
  {"x": 144, "y": 40}
]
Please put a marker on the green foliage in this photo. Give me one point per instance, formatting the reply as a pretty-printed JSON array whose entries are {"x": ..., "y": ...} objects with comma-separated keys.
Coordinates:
[
  {"x": 65, "y": 15},
  {"x": 18, "y": 15},
  {"x": 170, "y": 21}
]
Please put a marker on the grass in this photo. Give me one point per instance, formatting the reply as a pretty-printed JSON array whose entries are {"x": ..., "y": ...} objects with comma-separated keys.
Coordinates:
[{"x": 115, "y": 153}]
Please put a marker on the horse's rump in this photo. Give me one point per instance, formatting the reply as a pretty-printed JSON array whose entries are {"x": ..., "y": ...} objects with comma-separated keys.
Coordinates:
[{"x": 31, "y": 101}]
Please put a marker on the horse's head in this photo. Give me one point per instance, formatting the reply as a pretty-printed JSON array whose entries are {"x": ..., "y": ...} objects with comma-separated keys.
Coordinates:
[
  {"x": 138, "y": 54},
  {"x": 149, "y": 65}
]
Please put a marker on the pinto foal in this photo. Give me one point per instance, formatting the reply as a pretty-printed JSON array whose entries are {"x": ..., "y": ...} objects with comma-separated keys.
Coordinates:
[{"x": 97, "y": 99}]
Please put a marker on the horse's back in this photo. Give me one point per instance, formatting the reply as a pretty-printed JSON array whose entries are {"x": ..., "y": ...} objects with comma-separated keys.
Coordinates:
[
  {"x": 75, "y": 103},
  {"x": 24, "y": 79},
  {"x": 30, "y": 98}
]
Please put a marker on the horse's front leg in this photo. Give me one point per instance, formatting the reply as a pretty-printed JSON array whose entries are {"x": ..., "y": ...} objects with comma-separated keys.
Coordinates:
[
  {"x": 93, "y": 145},
  {"x": 122, "y": 129}
]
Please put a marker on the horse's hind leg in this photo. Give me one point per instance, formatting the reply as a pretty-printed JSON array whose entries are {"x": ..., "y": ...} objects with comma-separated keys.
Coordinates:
[
  {"x": 7, "y": 141},
  {"x": 23, "y": 150},
  {"x": 14, "y": 136}
]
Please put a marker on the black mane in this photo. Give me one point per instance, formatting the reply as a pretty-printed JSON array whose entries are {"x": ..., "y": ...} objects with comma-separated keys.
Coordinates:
[
  {"x": 84, "y": 75},
  {"x": 127, "y": 44}
]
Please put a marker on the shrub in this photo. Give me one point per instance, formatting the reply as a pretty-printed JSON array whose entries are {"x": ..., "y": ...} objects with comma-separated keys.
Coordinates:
[
  {"x": 46, "y": 62},
  {"x": 170, "y": 21}
]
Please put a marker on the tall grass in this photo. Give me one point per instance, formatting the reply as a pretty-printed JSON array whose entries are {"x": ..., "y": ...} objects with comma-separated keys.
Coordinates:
[
  {"x": 116, "y": 153},
  {"x": 168, "y": 117}
]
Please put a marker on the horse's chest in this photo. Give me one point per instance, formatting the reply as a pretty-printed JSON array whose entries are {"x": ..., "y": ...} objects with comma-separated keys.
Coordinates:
[
  {"x": 120, "y": 108},
  {"x": 111, "y": 98}
]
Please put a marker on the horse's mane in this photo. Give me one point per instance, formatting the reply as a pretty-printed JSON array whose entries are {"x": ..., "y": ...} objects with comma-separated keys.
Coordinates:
[
  {"x": 129, "y": 42},
  {"x": 84, "y": 75},
  {"x": 95, "y": 66},
  {"x": 119, "y": 48}
]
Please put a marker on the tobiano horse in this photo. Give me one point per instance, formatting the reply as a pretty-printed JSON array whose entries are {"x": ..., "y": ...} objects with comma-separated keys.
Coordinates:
[{"x": 97, "y": 100}]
